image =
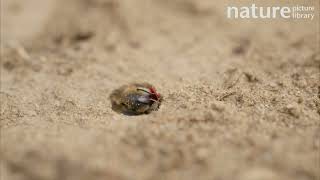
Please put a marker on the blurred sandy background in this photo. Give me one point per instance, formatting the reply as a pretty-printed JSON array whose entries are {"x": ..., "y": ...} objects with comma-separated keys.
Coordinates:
[{"x": 241, "y": 97}]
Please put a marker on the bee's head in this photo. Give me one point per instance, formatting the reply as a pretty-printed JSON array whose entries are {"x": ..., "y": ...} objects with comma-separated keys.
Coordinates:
[{"x": 154, "y": 93}]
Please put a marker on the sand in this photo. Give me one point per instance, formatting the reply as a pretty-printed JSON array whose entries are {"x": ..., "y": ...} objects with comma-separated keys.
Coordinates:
[{"x": 241, "y": 97}]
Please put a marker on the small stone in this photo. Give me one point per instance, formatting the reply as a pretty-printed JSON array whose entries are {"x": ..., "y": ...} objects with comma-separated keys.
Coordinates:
[
  {"x": 218, "y": 106},
  {"x": 292, "y": 110},
  {"x": 260, "y": 174}
]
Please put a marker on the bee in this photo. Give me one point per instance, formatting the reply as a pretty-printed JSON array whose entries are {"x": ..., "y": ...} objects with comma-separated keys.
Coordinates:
[{"x": 135, "y": 99}]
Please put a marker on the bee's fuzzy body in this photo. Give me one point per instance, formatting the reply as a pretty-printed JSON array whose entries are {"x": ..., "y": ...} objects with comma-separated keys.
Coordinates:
[{"x": 135, "y": 99}]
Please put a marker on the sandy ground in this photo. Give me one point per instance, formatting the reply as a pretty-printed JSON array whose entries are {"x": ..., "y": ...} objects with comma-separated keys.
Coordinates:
[{"x": 241, "y": 97}]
